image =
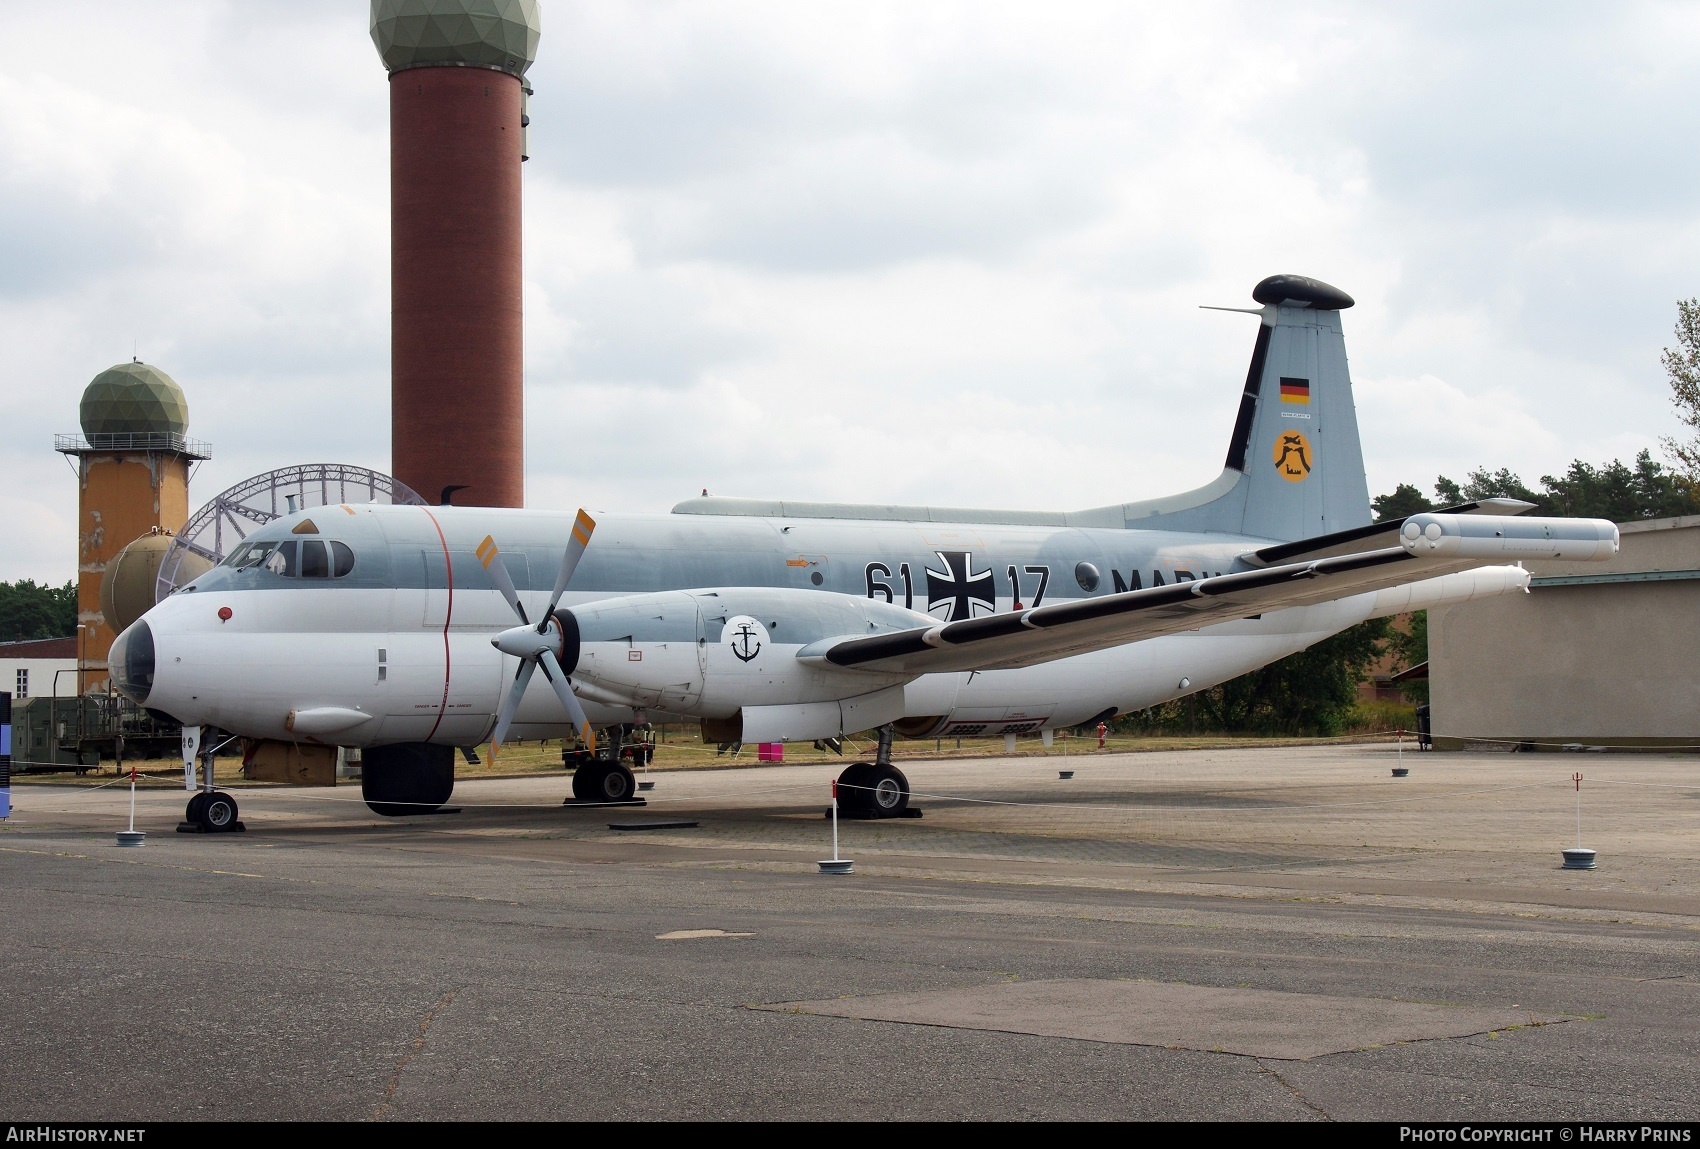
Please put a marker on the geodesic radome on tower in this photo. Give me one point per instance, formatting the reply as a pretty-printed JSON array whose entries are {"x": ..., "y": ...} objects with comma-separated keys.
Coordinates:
[
  {"x": 133, "y": 400},
  {"x": 499, "y": 34},
  {"x": 133, "y": 459}
]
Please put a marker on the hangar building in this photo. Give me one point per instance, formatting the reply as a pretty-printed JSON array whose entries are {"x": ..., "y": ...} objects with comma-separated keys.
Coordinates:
[{"x": 1602, "y": 654}]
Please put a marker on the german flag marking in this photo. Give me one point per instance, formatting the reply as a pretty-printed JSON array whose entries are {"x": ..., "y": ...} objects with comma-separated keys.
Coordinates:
[{"x": 1295, "y": 390}]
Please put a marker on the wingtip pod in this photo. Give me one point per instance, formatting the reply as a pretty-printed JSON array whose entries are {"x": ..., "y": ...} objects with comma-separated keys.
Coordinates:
[{"x": 1504, "y": 538}]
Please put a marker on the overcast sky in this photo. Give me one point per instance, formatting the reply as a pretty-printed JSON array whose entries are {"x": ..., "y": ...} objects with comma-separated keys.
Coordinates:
[{"x": 895, "y": 252}]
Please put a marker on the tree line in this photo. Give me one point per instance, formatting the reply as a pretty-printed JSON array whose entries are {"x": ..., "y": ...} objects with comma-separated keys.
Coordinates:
[
  {"x": 1616, "y": 491},
  {"x": 31, "y": 610}
]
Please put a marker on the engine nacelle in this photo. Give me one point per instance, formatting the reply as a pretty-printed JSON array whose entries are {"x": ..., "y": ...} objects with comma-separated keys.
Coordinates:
[{"x": 716, "y": 653}]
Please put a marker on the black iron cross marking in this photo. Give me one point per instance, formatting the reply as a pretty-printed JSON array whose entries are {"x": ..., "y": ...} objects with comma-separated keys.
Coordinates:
[{"x": 958, "y": 588}]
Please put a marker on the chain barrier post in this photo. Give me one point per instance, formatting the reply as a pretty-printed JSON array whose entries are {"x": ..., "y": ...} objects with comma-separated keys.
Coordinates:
[
  {"x": 1579, "y": 858},
  {"x": 132, "y": 836},
  {"x": 835, "y": 865}
]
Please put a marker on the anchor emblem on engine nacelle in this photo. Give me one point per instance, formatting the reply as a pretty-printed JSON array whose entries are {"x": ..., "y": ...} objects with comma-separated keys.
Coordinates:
[{"x": 746, "y": 637}]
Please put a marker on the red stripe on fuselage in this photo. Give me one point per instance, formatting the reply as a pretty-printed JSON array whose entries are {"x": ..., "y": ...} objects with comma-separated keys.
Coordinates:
[{"x": 448, "y": 616}]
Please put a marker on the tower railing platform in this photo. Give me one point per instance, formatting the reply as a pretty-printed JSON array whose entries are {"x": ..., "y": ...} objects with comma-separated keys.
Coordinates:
[{"x": 138, "y": 441}]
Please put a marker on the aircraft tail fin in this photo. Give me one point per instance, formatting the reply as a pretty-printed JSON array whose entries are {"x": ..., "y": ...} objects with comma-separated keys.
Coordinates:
[{"x": 1295, "y": 466}]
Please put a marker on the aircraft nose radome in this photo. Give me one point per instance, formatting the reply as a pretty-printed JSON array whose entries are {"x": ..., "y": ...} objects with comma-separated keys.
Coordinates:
[
  {"x": 131, "y": 662},
  {"x": 1301, "y": 291}
]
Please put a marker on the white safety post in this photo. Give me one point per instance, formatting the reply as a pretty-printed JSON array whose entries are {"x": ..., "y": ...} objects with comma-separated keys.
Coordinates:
[
  {"x": 132, "y": 836},
  {"x": 835, "y": 865},
  {"x": 1576, "y": 778},
  {"x": 835, "y": 818},
  {"x": 1579, "y": 858}
]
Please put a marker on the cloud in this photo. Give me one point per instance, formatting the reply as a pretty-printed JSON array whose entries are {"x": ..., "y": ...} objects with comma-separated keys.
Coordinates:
[{"x": 948, "y": 253}]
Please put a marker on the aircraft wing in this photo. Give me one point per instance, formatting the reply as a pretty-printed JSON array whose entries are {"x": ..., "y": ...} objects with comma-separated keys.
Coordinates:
[{"x": 1429, "y": 545}]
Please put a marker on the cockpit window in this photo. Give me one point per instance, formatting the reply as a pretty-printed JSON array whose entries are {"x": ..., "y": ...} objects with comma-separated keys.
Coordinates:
[
  {"x": 294, "y": 558},
  {"x": 315, "y": 563},
  {"x": 282, "y": 561},
  {"x": 249, "y": 555}
]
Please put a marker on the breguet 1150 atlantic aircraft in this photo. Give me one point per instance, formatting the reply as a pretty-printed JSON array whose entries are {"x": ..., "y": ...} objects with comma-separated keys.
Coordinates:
[{"x": 409, "y": 631}]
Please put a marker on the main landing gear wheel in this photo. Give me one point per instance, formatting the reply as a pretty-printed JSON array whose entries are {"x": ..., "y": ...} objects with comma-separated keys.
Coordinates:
[
  {"x": 873, "y": 790},
  {"x": 603, "y": 782},
  {"x": 217, "y": 813},
  {"x": 192, "y": 812}
]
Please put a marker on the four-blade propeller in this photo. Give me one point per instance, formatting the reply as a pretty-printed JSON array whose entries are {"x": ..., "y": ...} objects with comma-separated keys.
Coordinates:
[{"x": 535, "y": 646}]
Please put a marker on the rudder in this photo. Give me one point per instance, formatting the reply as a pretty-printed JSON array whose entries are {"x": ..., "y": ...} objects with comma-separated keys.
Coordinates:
[{"x": 1295, "y": 465}]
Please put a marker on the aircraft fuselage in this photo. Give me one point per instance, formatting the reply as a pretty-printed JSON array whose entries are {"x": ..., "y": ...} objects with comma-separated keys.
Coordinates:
[{"x": 393, "y": 625}]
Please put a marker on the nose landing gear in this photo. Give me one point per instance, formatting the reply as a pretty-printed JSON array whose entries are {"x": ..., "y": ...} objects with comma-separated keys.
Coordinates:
[
  {"x": 210, "y": 811},
  {"x": 213, "y": 812}
]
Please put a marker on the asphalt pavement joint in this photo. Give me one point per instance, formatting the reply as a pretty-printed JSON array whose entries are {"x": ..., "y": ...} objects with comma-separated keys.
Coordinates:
[
  {"x": 1298, "y": 1094},
  {"x": 385, "y": 1108}
]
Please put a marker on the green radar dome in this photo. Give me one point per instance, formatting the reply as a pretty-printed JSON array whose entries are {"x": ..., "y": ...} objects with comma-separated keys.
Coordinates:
[
  {"x": 133, "y": 399},
  {"x": 500, "y": 34}
]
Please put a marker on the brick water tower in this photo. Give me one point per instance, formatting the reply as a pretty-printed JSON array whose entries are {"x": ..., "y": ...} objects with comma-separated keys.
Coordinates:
[
  {"x": 133, "y": 461},
  {"x": 457, "y": 138}
]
